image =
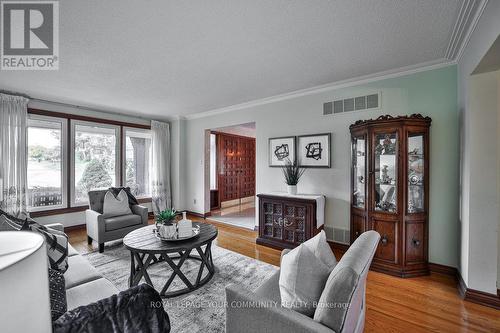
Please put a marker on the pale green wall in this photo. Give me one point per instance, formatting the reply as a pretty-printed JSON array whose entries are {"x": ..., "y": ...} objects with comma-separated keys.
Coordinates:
[{"x": 432, "y": 93}]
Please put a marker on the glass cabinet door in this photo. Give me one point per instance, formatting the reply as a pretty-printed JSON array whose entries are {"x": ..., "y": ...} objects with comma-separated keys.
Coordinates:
[
  {"x": 386, "y": 171},
  {"x": 359, "y": 171},
  {"x": 415, "y": 172}
]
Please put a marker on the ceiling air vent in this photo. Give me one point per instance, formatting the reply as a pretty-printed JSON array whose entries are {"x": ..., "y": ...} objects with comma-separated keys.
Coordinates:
[
  {"x": 327, "y": 108},
  {"x": 352, "y": 104}
]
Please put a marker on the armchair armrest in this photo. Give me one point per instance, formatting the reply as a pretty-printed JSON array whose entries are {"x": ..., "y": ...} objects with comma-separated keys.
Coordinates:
[
  {"x": 248, "y": 312},
  {"x": 56, "y": 226},
  {"x": 142, "y": 212},
  {"x": 285, "y": 251},
  {"x": 95, "y": 225}
]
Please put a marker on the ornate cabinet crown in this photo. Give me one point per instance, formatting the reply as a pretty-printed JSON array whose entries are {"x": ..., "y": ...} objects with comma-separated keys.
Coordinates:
[{"x": 390, "y": 190}]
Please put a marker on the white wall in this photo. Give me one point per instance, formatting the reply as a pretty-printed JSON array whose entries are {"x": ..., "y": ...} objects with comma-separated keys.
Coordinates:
[
  {"x": 483, "y": 202},
  {"x": 475, "y": 241},
  {"x": 431, "y": 93}
]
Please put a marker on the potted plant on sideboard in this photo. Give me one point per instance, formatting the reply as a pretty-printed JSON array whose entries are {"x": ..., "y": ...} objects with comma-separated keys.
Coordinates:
[{"x": 292, "y": 175}]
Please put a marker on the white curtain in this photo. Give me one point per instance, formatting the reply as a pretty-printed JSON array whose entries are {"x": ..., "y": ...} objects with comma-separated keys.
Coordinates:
[
  {"x": 13, "y": 154},
  {"x": 161, "y": 195}
]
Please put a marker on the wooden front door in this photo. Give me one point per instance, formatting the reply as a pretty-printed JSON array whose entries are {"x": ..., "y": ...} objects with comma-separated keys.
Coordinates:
[{"x": 236, "y": 166}]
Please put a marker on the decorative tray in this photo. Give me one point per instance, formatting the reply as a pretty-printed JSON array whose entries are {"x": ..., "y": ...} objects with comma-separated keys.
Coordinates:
[{"x": 196, "y": 232}]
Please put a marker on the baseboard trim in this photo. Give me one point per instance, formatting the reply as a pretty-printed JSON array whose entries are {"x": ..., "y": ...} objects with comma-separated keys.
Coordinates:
[
  {"x": 74, "y": 227},
  {"x": 443, "y": 269},
  {"x": 203, "y": 216},
  {"x": 476, "y": 296}
]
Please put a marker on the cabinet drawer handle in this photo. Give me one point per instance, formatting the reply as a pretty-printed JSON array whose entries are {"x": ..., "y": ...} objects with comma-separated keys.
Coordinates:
[
  {"x": 287, "y": 224},
  {"x": 416, "y": 242},
  {"x": 384, "y": 240}
]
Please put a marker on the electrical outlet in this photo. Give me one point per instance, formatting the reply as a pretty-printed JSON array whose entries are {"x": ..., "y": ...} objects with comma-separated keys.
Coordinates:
[{"x": 194, "y": 201}]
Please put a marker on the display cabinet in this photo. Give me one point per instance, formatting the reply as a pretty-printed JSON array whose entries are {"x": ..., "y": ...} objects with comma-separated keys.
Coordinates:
[{"x": 390, "y": 190}]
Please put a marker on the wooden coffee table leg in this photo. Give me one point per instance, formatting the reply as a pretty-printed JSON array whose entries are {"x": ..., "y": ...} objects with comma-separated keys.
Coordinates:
[
  {"x": 132, "y": 270},
  {"x": 141, "y": 270}
]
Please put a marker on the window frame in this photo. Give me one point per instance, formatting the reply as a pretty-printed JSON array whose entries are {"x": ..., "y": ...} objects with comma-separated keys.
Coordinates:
[
  {"x": 64, "y": 158},
  {"x": 74, "y": 124},
  {"x": 70, "y": 118},
  {"x": 124, "y": 130}
]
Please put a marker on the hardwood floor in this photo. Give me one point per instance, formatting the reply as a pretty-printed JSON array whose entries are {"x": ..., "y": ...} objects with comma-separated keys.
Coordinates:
[{"x": 423, "y": 304}]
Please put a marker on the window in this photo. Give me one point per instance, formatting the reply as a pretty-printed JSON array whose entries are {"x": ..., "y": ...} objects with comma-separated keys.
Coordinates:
[
  {"x": 46, "y": 163},
  {"x": 94, "y": 158},
  {"x": 137, "y": 163}
]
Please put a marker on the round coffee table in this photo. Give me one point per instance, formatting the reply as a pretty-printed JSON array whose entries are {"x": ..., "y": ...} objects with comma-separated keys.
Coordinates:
[{"x": 146, "y": 250}]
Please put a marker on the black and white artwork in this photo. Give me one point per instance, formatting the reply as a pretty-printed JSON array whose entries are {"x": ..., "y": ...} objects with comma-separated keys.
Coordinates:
[
  {"x": 281, "y": 150},
  {"x": 313, "y": 151}
]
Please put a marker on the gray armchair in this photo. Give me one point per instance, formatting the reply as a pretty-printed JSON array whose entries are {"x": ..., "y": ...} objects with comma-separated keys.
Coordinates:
[
  {"x": 103, "y": 229},
  {"x": 261, "y": 311}
]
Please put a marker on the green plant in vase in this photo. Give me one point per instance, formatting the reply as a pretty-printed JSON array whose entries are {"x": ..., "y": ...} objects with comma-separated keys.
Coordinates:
[
  {"x": 165, "y": 217},
  {"x": 292, "y": 173}
]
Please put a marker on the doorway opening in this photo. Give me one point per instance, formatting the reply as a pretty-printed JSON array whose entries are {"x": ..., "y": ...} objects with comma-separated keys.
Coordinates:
[{"x": 232, "y": 175}]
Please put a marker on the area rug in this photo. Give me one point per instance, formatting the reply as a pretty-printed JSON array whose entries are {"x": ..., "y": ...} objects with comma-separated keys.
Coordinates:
[{"x": 201, "y": 310}]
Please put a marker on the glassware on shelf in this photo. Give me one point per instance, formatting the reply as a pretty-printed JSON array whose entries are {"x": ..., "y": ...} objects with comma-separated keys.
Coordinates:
[
  {"x": 415, "y": 173},
  {"x": 359, "y": 170},
  {"x": 386, "y": 172}
]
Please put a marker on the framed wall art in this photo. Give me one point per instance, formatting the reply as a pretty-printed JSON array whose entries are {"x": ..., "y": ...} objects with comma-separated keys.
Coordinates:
[
  {"x": 313, "y": 151},
  {"x": 281, "y": 150}
]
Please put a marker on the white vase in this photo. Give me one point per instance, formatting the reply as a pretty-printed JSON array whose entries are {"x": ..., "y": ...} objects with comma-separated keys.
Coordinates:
[{"x": 292, "y": 189}]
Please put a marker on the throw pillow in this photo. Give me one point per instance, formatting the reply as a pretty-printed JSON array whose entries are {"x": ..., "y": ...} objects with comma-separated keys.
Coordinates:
[
  {"x": 302, "y": 279},
  {"x": 132, "y": 200},
  {"x": 57, "y": 289},
  {"x": 7, "y": 224},
  {"x": 57, "y": 245},
  {"x": 319, "y": 246},
  {"x": 56, "y": 241},
  {"x": 336, "y": 298},
  {"x": 115, "y": 206}
]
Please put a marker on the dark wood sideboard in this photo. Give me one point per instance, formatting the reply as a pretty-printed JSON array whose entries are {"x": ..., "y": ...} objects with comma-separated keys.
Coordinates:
[{"x": 286, "y": 222}]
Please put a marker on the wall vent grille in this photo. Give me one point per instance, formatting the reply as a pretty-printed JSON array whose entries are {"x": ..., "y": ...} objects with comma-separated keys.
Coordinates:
[{"x": 350, "y": 104}]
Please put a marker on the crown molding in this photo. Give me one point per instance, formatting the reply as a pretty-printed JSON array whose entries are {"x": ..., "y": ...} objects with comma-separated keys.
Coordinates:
[
  {"x": 393, "y": 73},
  {"x": 468, "y": 17}
]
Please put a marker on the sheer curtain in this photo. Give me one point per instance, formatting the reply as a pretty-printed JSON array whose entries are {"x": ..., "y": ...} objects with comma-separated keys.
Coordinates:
[
  {"x": 160, "y": 176},
  {"x": 13, "y": 154}
]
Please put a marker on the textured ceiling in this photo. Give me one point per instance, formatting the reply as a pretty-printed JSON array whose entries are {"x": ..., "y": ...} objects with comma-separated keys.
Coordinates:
[{"x": 164, "y": 58}]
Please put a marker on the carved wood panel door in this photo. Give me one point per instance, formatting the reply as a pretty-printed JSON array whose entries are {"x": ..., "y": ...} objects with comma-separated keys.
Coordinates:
[
  {"x": 236, "y": 167},
  {"x": 229, "y": 167},
  {"x": 246, "y": 152}
]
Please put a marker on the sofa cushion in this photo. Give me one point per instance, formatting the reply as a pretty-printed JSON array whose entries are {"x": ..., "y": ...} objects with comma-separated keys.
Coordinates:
[
  {"x": 89, "y": 292},
  {"x": 319, "y": 246},
  {"x": 336, "y": 298},
  {"x": 270, "y": 289},
  {"x": 115, "y": 206},
  {"x": 302, "y": 279},
  {"x": 120, "y": 222},
  {"x": 80, "y": 271}
]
